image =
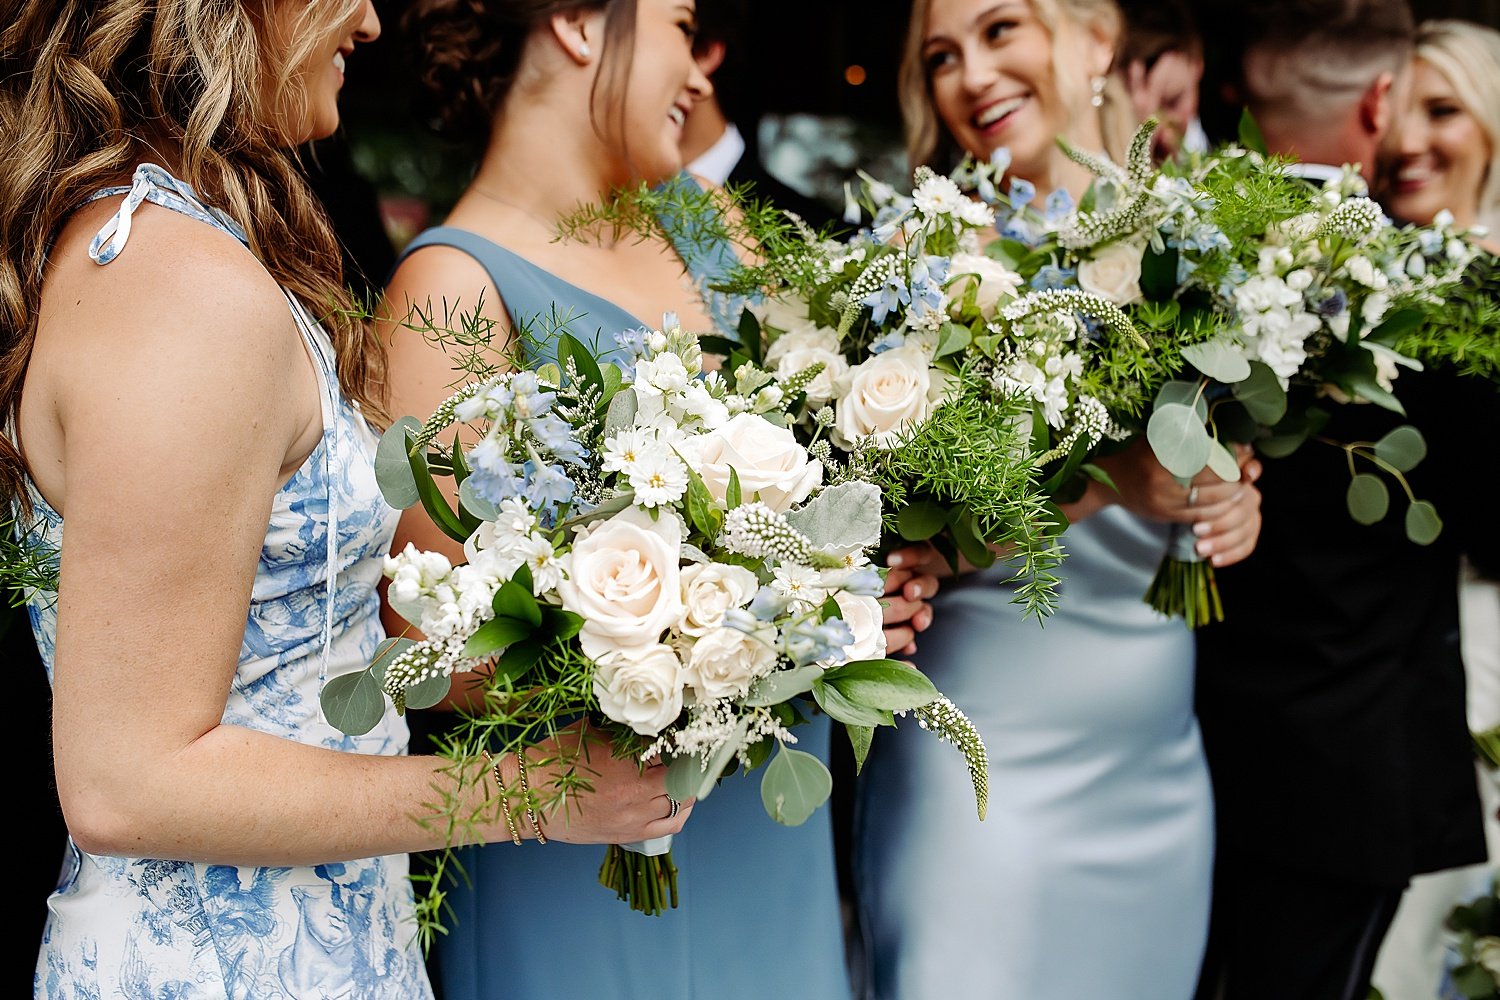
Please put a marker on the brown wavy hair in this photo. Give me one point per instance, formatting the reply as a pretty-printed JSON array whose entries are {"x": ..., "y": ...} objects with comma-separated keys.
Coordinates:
[
  {"x": 468, "y": 52},
  {"x": 928, "y": 142},
  {"x": 81, "y": 80}
]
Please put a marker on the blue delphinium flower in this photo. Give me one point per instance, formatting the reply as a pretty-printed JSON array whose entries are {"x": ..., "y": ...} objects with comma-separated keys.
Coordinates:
[
  {"x": 1333, "y": 304},
  {"x": 493, "y": 477},
  {"x": 556, "y": 436},
  {"x": 927, "y": 277},
  {"x": 1052, "y": 276},
  {"x": 1057, "y": 206},
  {"x": 1022, "y": 193},
  {"x": 887, "y": 297},
  {"x": 888, "y": 342},
  {"x": 767, "y": 605},
  {"x": 807, "y": 641},
  {"x": 548, "y": 486},
  {"x": 866, "y": 582}
]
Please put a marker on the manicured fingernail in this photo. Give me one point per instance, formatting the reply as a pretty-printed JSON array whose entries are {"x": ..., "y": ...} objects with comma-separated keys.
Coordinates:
[
  {"x": 1204, "y": 549},
  {"x": 1202, "y": 528},
  {"x": 894, "y": 559}
]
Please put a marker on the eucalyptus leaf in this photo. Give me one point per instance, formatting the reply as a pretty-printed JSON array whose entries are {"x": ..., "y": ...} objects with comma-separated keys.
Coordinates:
[
  {"x": 1403, "y": 447},
  {"x": 1223, "y": 463},
  {"x": 842, "y": 518},
  {"x": 353, "y": 703},
  {"x": 919, "y": 521},
  {"x": 1218, "y": 359},
  {"x": 476, "y": 504},
  {"x": 839, "y": 707},
  {"x": 721, "y": 760},
  {"x": 393, "y": 469},
  {"x": 1179, "y": 439},
  {"x": 425, "y": 694},
  {"x": 795, "y": 784},
  {"x": 1422, "y": 522},
  {"x": 859, "y": 741},
  {"x": 684, "y": 776},
  {"x": 883, "y": 684},
  {"x": 1186, "y": 393},
  {"x": 623, "y": 407},
  {"x": 1368, "y": 499},
  {"x": 385, "y": 655},
  {"x": 782, "y": 685},
  {"x": 1261, "y": 394}
]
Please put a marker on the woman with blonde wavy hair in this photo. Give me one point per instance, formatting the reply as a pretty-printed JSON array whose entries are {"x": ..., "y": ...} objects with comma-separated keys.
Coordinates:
[
  {"x": 170, "y": 392},
  {"x": 1090, "y": 876}
]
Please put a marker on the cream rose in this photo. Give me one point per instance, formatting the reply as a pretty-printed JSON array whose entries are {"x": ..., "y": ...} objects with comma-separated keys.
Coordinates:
[
  {"x": 865, "y": 619},
  {"x": 882, "y": 397},
  {"x": 800, "y": 350},
  {"x": 622, "y": 577},
  {"x": 993, "y": 281},
  {"x": 640, "y": 687},
  {"x": 784, "y": 313},
  {"x": 709, "y": 590},
  {"x": 723, "y": 663},
  {"x": 766, "y": 458},
  {"x": 1487, "y": 955},
  {"x": 1114, "y": 273}
]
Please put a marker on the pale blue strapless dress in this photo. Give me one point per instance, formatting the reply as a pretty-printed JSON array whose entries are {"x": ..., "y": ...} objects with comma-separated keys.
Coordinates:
[
  {"x": 146, "y": 928},
  {"x": 1090, "y": 878},
  {"x": 759, "y": 911}
]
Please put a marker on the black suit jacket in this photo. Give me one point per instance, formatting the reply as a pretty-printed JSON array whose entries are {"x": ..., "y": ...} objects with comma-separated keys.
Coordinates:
[
  {"x": 1331, "y": 700},
  {"x": 764, "y": 186}
]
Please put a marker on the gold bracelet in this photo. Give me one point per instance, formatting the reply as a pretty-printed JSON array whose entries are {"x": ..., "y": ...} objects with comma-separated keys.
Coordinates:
[
  {"x": 510, "y": 819},
  {"x": 526, "y": 797}
]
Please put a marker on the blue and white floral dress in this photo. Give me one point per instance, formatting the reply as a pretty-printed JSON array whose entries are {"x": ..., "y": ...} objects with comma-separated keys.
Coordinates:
[{"x": 148, "y": 928}]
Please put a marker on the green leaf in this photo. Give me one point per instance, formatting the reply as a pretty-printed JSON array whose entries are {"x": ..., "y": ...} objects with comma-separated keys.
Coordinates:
[
  {"x": 859, "y": 742},
  {"x": 623, "y": 407},
  {"x": 832, "y": 701},
  {"x": 1159, "y": 274},
  {"x": 475, "y": 504},
  {"x": 886, "y": 684},
  {"x": 1186, "y": 393},
  {"x": 732, "y": 498},
  {"x": 515, "y": 601},
  {"x": 1474, "y": 982},
  {"x": 1218, "y": 359},
  {"x": 971, "y": 544},
  {"x": 559, "y": 624},
  {"x": 1397, "y": 324},
  {"x": 392, "y": 467},
  {"x": 1368, "y": 499},
  {"x": 1422, "y": 522},
  {"x": 1223, "y": 463},
  {"x": 1250, "y": 136},
  {"x": 1261, "y": 394},
  {"x": 568, "y": 346},
  {"x": 952, "y": 338},
  {"x": 425, "y": 694},
  {"x": 782, "y": 685},
  {"x": 795, "y": 784},
  {"x": 841, "y": 518},
  {"x": 919, "y": 521},
  {"x": 684, "y": 776},
  {"x": 1403, "y": 447},
  {"x": 353, "y": 703},
  {"x": 714, "y": 344},
  {"x": 703, "y": 510},
  {"x": 494, "y": 635},
  {"x": 613, "y": 379},
  {"x": 520, "y": 656},
  {"x": 433, "y": 500},
  {"x": 1179, "y": 439},
  {"x": 751, "y": 340},
  {"x": 1157, "y": 315}
]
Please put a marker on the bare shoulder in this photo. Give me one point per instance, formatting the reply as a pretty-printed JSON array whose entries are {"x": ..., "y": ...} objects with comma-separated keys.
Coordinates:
[{"x": 441, "y": 285}]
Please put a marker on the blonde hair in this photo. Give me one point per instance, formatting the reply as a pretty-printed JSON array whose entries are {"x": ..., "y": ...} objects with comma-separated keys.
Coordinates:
[
  {"x": 928, "y": 143},
  {"x": 1468, "y": 56},
  {"x": 82, "y": 81}
]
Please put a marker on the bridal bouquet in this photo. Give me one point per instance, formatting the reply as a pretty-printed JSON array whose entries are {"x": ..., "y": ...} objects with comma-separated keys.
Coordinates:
[
  {"x": 1263, "y": 300},
  {"x": 650, "y": 549},
  {"x": 1474, "y": 970}
]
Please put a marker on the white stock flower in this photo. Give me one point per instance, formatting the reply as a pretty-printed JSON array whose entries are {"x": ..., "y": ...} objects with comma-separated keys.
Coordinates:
[
  {"x": 766, "y": 458},
  {"x": 512, "y": 525},
  {"x": 1363, "y": 271},
  {"x": 640, "y": 687},
  {"x": 723, "y": 663},
  {"x": 884, "y": 396},
  {"x": 622, "y": 577},
  {"x": 1113, "y": 273},
  {"x": 710, "y": 589},
  {"x": 799, "y": 350},
  {"x": 864, "y": 617},
  {"x": 417, "y": 579},
  {"x": 993, "y": 282}
]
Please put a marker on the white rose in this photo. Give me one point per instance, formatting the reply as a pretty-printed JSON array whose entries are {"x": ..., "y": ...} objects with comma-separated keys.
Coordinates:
[
  {"x": 784, "y": 313},
  {"x": 1114, "y": 273},
  {"x": 801, "y": 349},
  {"x": 640, "y": 687},
  {"x": 622, "y": 577},
  {"x": 724, "y": 662},
  {"x": 864, "y": 617},
  {"x": 1487, "y": 955},
  {"x": 993, "y": 280},
  {"x": 766, "y": 458},
  {"x": 709, "y": 590},
  {"x": 884, "y": 396}
]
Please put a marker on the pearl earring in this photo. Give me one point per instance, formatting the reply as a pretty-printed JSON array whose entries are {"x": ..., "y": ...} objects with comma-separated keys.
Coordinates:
[
  {"x": 1097, "y": 85},
  {"x": 583, "y": 50}
]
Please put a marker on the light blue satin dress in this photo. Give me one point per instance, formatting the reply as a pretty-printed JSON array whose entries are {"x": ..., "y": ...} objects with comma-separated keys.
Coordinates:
[
  {"x": 758, "y": 912},
  {"x": 1090, "y": 877}
]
